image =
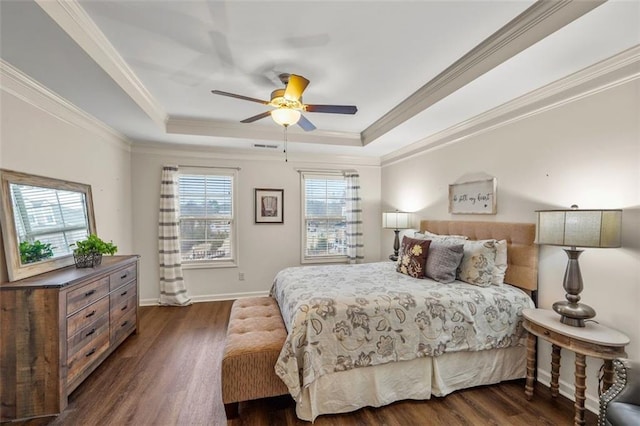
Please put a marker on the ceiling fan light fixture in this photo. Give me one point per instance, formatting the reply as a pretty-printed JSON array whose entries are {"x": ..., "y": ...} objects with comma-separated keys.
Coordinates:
[
  {"x": 285, "y": 116},
  {"x": 288, "y": 104}
]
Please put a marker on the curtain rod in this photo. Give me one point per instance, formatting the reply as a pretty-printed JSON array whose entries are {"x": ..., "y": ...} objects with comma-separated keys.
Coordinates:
[
  {"x": 209, "y": 167},
  {"x": 327, "y": 171}
]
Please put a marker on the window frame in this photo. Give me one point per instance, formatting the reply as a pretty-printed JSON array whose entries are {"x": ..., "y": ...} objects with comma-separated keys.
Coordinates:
[
  {"x": 304, "y": 258},
  {"x": 229, "y": 262}
]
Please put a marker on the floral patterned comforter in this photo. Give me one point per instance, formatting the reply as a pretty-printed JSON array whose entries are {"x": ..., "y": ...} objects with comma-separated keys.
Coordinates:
[{"x": 341, "y": 317}]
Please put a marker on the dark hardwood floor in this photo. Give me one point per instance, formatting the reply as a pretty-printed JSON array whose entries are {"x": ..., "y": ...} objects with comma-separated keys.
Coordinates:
[{"x": 168, "y": 374}]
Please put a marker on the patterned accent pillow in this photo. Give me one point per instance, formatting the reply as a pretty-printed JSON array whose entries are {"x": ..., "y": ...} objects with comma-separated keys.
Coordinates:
[
  {"x": 443, "y": 260},
  {"x": 413, "y": 257},
  {"x": 501, "y": 262},
  {"x": 478, "y": 262}
]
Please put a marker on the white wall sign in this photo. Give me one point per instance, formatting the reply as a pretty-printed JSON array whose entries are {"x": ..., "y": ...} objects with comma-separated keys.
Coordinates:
[{"x": 474, "y": 197}]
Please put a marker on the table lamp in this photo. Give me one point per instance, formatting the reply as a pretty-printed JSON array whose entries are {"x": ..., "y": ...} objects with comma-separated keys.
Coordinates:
[
  {"x": 396, "y": 220},
  {"x": 577, "y": 228}
]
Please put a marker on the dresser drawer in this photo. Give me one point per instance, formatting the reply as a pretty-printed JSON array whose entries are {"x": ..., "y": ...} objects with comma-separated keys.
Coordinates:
[
  {"x": 120, "y": 305},
  {"x": 123, "y": 326},
  {"x": 89, "y": 293},
  {"x": 91, "y": 332},
  {"x": 87, "y": 354},
  {"x": 126, "y": 292},
  {"x": 122, "y": 277},
  {"x": 87, "y": 316}
]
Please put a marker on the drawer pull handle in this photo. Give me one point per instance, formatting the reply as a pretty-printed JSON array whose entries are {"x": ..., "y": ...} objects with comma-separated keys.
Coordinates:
[
  {"x": 546, "y": 333},
  {"x": 90, "y": 314},
  {"x": 91, "y": 352},
  {"x": 124, "y": 308},
  {"x": 124, "y": 294},
  {"x": 124, "y": 276},
  {"x": 93, "y": 330},
  {"x": 89, "y": 293},
  {"x": 124, "y": 323}
]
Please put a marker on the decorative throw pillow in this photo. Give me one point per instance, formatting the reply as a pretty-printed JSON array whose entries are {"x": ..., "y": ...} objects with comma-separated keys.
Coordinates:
[
  {"x": 413, "y": 257},
  {"x": 443, "y": 260},
  {"x": 501, "y": 262},
  {"x": 478, "y": 262}
]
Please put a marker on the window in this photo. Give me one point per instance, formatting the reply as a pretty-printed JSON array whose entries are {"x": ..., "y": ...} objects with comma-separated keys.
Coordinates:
[
  {"x": 324, "y": 222},
  {"x": 207, "y": 217}
]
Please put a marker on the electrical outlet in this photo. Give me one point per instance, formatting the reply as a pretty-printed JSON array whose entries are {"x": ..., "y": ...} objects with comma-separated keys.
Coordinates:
[{"x": 241, "y": 276}]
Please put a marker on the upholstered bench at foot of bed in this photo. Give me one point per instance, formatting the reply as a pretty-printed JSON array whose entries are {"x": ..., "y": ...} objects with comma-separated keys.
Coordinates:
[{"x": 255, "y": 336}]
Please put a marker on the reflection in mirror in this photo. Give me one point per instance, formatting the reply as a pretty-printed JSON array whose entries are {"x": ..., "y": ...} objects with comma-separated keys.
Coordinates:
[
  {"x": 47, "y": 220},
  {"x": 41, "y": 217}
]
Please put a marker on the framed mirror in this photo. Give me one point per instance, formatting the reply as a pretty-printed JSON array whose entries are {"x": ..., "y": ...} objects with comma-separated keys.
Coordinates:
[{"x": 41, "y": 218}]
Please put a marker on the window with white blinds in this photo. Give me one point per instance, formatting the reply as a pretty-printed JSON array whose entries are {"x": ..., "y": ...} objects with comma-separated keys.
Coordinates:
[
  {"x": 207, "y": 222},
  {"x": 51, "y": 216},
  {"x": 324, "y": 222}
]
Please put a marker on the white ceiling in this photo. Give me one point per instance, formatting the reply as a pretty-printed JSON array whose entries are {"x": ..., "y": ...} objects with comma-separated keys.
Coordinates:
[{"x": 413, "y": 68}]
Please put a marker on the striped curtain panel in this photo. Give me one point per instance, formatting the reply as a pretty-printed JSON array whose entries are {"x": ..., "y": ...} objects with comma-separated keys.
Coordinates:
[
  {"x": 172, "y": 289},
  {"x": 355, "y": 245}
]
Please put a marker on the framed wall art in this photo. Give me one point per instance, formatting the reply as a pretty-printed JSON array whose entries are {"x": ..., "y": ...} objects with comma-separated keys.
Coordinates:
[
  {"x": 473, "y": 197},
  {"x": 269, "y": 205}
]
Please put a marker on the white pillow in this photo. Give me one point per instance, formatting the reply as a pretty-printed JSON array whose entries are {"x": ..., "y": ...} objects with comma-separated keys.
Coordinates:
[
  {"x": 426, "y": 235},
  {"x": 501, "y": 262},
  {"x": 478, "y": 262}
]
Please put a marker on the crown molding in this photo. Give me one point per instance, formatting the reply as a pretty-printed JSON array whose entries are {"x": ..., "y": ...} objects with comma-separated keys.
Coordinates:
[
  {"x": 207, "y": 152},
  {"x": 532, "y": 25},
  {"x": 617, "y": 70},
  {"x": 220, "y": 128},
  {"x": 73, "y": 20},
  {"x": 23, "y": 87}
]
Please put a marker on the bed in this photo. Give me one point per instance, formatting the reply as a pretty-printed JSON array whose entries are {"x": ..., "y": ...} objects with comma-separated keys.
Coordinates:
[{"x": 366, "y": 335}]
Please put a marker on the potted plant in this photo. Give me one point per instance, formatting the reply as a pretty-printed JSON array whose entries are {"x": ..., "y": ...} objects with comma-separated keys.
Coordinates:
[
  {"x": 34, "y": 252},
  {"x": 88, "y": 253}
]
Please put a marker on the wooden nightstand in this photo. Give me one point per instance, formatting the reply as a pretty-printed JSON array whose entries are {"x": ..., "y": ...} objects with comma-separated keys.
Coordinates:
[{"x": 593, "y": 340}]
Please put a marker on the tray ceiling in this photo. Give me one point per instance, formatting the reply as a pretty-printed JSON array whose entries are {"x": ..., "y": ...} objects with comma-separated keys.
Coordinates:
[{"x": 413, "y": 68}]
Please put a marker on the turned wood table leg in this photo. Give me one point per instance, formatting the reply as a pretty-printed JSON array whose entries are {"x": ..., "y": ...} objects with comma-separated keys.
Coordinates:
[
  {"x": 607, "y": 379},
  {"x": 531, "y": 364},
  {"x": 555, "y": 369},
  {"x": 580, "y": 385}
]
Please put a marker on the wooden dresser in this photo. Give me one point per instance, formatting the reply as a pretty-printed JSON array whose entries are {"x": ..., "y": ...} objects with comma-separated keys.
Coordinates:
[{"x": 56, "y": 328}]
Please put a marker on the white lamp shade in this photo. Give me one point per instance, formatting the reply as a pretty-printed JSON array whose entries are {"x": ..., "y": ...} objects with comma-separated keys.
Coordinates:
[
  {"x": 285, "y": 116},
  {"x": 579, "y": 228},
  {"x": 396, "y": 220}
]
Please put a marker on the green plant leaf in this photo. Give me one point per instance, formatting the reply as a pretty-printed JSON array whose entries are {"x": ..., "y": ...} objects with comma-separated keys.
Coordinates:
[{"x": 93, "y": 244}]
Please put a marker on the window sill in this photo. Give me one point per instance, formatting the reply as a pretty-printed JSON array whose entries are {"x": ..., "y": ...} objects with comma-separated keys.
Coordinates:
[
  {"x": 210, "y": 265},
  {"x": 327, "y": 259}
]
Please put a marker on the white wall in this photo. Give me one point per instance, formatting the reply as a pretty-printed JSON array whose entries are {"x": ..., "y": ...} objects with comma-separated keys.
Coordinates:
[
  {"x": 39, "y": 142},
  {"x": 263, "y": 249},
  {"x": 586, "y": 152}
]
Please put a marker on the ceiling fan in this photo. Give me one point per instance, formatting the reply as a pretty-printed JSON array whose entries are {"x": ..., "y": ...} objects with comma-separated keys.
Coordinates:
[{"x": 288, "y": 104}]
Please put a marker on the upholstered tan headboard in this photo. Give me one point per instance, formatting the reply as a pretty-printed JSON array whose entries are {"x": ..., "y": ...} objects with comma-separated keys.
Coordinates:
[{"x": 522, "y": 253}]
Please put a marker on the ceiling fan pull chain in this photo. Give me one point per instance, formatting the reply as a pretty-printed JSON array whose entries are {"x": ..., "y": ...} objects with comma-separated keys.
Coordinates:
[{"x": 286, "y": 155}]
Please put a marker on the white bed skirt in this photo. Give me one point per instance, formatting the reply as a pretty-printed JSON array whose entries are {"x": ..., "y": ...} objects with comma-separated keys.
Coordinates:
[{"x": 417, "y": 379}]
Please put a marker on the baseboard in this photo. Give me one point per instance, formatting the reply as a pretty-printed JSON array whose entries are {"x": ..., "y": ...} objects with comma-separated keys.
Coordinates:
[
  {"x": 211, "y": 297},
  {"x": 568, "y": 390}
]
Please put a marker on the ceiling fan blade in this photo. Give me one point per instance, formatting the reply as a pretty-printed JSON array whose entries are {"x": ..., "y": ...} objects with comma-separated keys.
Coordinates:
[
  {"x": 256, "y": 117},
  {"x": 233, "y": 95},
  {"x": 332, "y": 109},
  {"x": 295, "y": 87},
  {"x": 306, "y": 125}
]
